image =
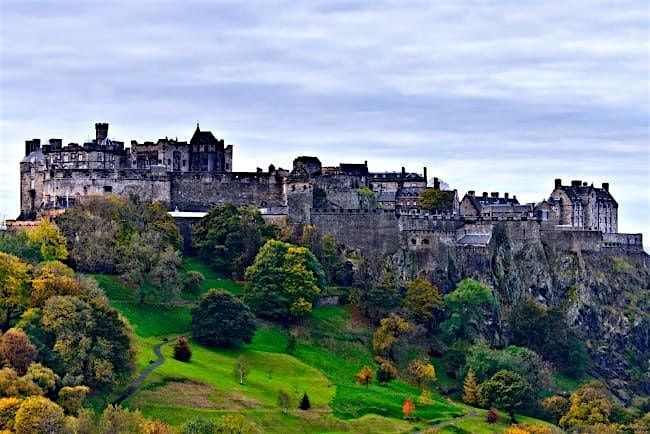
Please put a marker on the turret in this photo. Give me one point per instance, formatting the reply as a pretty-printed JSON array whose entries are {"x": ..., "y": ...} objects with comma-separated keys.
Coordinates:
[{"x": 101, "y": 131}]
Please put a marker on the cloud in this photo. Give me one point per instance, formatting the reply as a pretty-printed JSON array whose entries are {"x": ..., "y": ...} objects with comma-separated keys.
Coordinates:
[{"x": 490, "y": 96}]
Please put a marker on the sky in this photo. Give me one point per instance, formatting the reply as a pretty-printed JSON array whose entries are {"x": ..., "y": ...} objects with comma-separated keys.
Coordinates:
[{"x": 490, "y": 96}]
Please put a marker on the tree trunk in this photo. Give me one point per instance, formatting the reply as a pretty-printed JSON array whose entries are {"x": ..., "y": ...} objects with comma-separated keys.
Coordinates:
[
  {"x": 7, "y": 322},
  {"x": 512, "y": 416}
]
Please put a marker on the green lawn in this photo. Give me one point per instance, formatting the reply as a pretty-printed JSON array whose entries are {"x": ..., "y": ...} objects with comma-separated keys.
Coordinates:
[{"x": 212, "y": 278}]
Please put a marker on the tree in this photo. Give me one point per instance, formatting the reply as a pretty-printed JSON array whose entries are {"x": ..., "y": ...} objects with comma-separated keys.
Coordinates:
[
  {"x": 536, "y": 429},
  {"x": 43, "y": 377},
  {"x": 386, "y": 371},
  {"x": 422, "y": 371},
  {"x": 17, "y": 351},
  {"x": 492, "y": 416},
  {"x": 38, "y": 414},
  {"x": 465, "y": 309},
  {"x": 14, "y": 291},
  {"x": 71, "y": 398},
  {"x": 283, "y": 281},
  {"x": 436, "y": 200},
  {"x": 588, "y": 405},
  {"x": 379, "y": 299},
  {"x": 408, "y": 408},
  {"x": 506, "y": 390},
  {"x": 53, "y": 278},
  {"x": 17, "y": 243},
  {"x": 192, "y": 282},
  {"x": 234, "y": 424},
  {"x": 422, "y": 298},
  {"x": 8, "y": 409},
  {"x": 82, "y": 341},
  {"x": 425, "y": 397},
  {"x": 556, "y": 406},
  {"x": 199, "y": 425},
  {"x": 230, "y": 237},
  {"x": 327, "y": 251},
  {"x": 222, "y": 320},
  {"x": 470, "y": 389},
  {"x": 11, "y": 385},
  {"x": 284, "y": 401},
  {"x": 241, "y": 369},
  {"x": 304, "y": 402},
  {"x": 118, "y": 420},
  {"x": 182, "y": 350},
  {"x": 365, "y": 375},
  {"x": 389, "y": 331},
  {"x": 49, "y": 240}
]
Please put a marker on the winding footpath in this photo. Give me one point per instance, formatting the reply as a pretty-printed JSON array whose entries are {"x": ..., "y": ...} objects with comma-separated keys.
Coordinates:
[{"x": 144, "y": 374}]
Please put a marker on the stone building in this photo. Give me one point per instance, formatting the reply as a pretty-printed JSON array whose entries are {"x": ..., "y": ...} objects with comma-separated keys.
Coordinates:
[
  {"x": 584, "y": 206},
  {"x": 473, "y": 206}
]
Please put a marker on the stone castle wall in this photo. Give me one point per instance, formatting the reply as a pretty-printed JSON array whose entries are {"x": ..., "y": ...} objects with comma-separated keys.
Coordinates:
[{"x": 361, "y": 229}]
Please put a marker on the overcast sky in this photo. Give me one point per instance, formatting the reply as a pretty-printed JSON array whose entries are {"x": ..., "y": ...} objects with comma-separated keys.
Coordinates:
[{"x": 491, "y": 96}]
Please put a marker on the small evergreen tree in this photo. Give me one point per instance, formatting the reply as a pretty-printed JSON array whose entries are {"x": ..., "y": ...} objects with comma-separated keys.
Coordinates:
[
  {"x": 304, "y": 402},
  {"x": 182, "y": 350},
  {"x": 470, "y": 389},
  {"x": 492, "y": 416}
]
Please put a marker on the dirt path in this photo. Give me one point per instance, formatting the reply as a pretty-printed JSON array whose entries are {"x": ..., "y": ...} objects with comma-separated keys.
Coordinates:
[
  {"x": 470, "y": 413},
  {"x": 143, "y": 375}
]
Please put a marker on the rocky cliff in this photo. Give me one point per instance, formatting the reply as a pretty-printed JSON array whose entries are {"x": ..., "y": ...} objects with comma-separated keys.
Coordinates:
[{"x": 605, "y": 294}]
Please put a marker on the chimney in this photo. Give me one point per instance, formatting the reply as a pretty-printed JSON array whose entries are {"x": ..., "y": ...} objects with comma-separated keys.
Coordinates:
[
  {"x": 471, "y": 193},
  {"x": 505, "y": 195},
  {"x": 28, "y": 147},
  {"x": 403, "y": 172},
  {"x": 584, "y": 184},
  {"x": 558, "y": 183},
  {"x": 485, "y": 195},
  {"x": 606, "y": 186},
  {"x": 494, "y": 194},
  {"x": 576, "y": 183},
  {"x": 365, "y": 163},
  {"x": 101, "y": 131},
  {"x": 425, "y": 173},
  {"x": 436, "y": 183}
]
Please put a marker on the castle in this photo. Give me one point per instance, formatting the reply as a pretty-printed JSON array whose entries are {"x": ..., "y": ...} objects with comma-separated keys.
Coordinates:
[{"x": 363, "y": 209}]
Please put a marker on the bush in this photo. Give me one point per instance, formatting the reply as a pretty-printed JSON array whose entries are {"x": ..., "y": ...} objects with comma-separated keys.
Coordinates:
[
  {"x": 492, "y": 416},
  {"x": 8, "y": 409},
  {"x": 386, "y": 371},
  {"x": 192, "y": 282},
  {"x": 71, "y": 399},
  {"x": 182, "y": 350}
]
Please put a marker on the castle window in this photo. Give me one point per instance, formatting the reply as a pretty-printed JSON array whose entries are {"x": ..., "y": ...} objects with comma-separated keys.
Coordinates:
[
  {"x": 413, "y": 241},
  {"x": 425, "y": 242},
  {"x": 108, "y": 189}
]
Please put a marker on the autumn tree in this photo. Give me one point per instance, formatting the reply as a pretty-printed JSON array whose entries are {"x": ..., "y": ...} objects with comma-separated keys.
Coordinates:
[
  {"x": 11, "y": 385},
  {"x": 590, "y": 404},
  {"x": 117, "y": 420},
  {"x": 43, "y": 377},
  {"x": 181, "y": 350},
  {"x": 390, "y": 329},
  {"x": 284, "y": 401},
  {"x": 283, "y": 281},
  {"x": 365, "y": 375},
  {"x": 470, "y": 389},
  {"x": 425, "y": 397},
  {"x": 14, "y": 290},
  {"x": 408, "y": 408},
  {"x": 8, "y": 409},
  {"x": 17, "y": 351},
  {"x": 492, "y": 416},
  {"x": 556, "y": 406},
  {"x": 386, "y": 370},
  {"x": 52, "y": 278},
  {"x": 241, "y": 369},
  {"x": 38, "y": 414},
  {"x": 49, "y": 240},
  {"x": 72, "y": 398},
  {"x": 230, "y": 237},
  {"x": 222, "y": 320},
  {"x": 422, "y": 371},
  {"x": 422, "y": 298},
  {"x": 506, "y": 390}
]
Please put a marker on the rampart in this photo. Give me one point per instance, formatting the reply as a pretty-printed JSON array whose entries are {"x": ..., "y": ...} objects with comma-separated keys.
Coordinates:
[{"x": 360, "y": 228}]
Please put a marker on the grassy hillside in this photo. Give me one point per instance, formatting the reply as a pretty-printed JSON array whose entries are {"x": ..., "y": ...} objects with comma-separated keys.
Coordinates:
[{"x": 331, "y": 348}]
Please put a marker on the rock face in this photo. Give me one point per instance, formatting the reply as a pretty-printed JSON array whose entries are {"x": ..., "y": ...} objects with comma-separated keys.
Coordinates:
[{"x": 606, "y": 295}]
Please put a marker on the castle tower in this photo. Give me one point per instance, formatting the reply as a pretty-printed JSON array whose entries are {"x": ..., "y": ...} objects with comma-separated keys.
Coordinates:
[
  {"x": 32, "y": 177},
  {"x": 101, "y": 132}
]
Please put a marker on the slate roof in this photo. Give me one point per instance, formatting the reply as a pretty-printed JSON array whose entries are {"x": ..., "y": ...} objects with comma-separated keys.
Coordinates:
[
  {"x": 33, "y": 157},
  {"x": 579, "y": 193},
  {"x": 354, "y": 169},
  {"x": 386, "y": 196},
  {"x": 396, "y": 176},
  {"x": 479, "y": 201}
]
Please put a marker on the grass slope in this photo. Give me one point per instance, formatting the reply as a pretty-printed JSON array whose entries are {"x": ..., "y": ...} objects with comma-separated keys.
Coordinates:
[{"x": 331, "y": 349}]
